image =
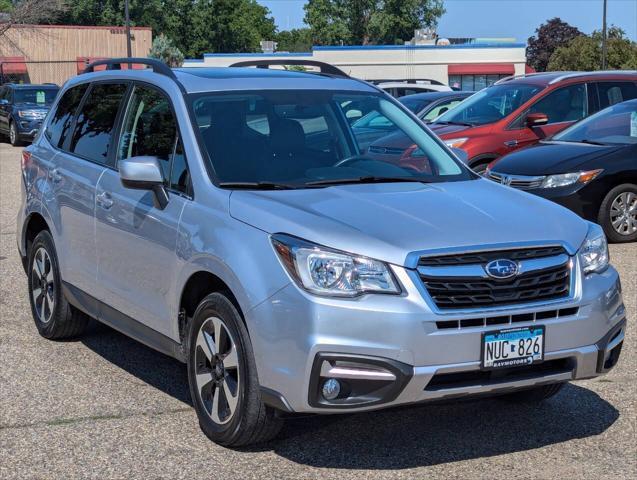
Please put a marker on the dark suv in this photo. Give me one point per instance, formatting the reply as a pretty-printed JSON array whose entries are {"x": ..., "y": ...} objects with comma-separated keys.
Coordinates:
[{"x": 23, "y": 108}]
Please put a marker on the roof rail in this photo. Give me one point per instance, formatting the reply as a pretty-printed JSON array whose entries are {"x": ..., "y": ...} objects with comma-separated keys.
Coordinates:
[
  {"x": 324, "y": 67},
  {"x": 523, "y": 75},
  {"x": 568, "y": 75},
  {"x": 116, "y": 64},
  {"x": 406, "y": 80}
]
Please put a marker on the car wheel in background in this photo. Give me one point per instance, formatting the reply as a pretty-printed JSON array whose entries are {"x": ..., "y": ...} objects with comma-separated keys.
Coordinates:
[
  {"x": 618, "y": 214},
  {"x": 54, "y": 317},
  {"x": 223, "y": 379},
  {"x": 480, "y": 168},
  {"x": 14, "y": 138}
]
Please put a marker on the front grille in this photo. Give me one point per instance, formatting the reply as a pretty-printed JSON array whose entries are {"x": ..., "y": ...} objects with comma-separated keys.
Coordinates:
[
  {"x": 543, "y": 316},
  {"x": 446, "y": 381},
  {"x": 486, "y": 257},
  {"x": 521, "y": 182},
  {"x": 470, "y": 292},
  {"x": 386, "y": 150}
]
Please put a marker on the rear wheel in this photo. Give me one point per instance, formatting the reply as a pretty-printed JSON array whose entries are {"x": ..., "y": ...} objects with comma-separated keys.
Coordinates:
[
  {"x": 53, "y": 316},
  {"x": 618, "y": 214},
  {"x": 222, "y": 376},
  {"x": 534, "y": 395}
]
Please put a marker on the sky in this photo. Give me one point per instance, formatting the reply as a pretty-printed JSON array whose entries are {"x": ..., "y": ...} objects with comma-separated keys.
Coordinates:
[{"x": 498, "y": 18}]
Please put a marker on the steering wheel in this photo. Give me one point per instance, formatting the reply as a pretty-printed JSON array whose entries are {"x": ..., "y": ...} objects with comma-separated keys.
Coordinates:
[{"x": 352, "y": 159}]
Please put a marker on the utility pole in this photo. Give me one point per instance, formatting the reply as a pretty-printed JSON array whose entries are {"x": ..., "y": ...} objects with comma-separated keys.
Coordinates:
[
  {"x": 129, "y": 51},
  {"x": 604, "y": 37}
]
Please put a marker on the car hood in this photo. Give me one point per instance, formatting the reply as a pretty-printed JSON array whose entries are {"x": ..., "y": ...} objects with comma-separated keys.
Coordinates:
[
  {"x": 389, "y": 221},
  {"x": 441, "y": 129},
  {"x": 548, "y": 158}
]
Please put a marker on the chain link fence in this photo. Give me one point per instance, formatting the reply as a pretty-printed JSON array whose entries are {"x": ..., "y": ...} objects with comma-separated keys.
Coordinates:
[{"x": 38, "y": 72}]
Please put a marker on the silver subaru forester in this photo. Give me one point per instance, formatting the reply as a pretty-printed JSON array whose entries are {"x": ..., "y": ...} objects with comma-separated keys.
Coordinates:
[{"x": 247, "y": 222}]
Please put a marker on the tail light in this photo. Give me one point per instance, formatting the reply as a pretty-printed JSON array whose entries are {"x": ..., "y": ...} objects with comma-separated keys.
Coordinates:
[{"x": 26, "y": 160}]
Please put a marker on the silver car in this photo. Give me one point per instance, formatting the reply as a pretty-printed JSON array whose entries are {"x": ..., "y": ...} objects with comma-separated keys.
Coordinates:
[{"x": 232, "y": 219}]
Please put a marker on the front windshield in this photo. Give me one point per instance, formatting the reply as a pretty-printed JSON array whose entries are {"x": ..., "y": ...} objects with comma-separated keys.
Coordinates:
[
  {"x": 490, "y": 105},
  {"x": 39, "y": 96},
  {"x": 303, "y": 138},
  {"x": 613, "y": 125}
]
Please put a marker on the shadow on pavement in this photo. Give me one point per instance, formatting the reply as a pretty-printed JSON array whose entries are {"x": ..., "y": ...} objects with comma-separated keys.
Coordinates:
[{"x": 391, "y": 439}]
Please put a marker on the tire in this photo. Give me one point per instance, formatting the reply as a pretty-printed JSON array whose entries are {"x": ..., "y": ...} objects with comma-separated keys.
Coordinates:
[
  {"x": 534, "y": 395},
  {"x": 54, "y": 317},
  {"x": 620, "y": 203},
  {"x": 223, "y": 379},
  {"x": 480, "y": 168},
  {"x": 14, "y": 138}
]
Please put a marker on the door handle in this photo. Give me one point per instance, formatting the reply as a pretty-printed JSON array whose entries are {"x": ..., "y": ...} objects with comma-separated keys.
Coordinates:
[
  {"x": 511, "y": 143},
  {"x": 55, "y": 175},
  {"x": 104, "y": 200}
]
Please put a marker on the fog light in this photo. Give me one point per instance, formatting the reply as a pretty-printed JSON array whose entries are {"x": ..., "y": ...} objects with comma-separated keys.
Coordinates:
[{"x": 331, "y": 389}]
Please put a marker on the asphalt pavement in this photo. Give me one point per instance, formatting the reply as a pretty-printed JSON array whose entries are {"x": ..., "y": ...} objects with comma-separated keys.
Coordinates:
[{"x": 105, "y": 406}]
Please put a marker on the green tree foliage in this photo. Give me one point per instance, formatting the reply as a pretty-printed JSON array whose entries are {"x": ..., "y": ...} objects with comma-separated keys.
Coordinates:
[
  {"x": 585, "y": 52},
  {"x": 165, "y": 50},
  {"x": 295, "y": 40},
  {"x": 195, "y": 26},
  {"x": 6, "y": 6},
  {"x": 550, "y": 35},
  {"x": 334, "y": 22}
]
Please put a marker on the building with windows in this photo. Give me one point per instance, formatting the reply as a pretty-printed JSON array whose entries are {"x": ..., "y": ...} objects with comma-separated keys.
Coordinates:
[{"x": 472, "y": 65}]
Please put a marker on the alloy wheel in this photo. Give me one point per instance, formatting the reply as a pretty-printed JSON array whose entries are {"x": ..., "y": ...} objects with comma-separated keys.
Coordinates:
[
  {"x": 217, "y": 370},
  {"x": 43, "y": 285},
  {"x": 12, "y": 134},
  {"x": 623, "y": 213}
]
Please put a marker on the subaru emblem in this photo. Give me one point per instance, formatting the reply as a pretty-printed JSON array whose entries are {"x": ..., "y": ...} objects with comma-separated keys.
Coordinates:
[{"x": 502, "y": 268}]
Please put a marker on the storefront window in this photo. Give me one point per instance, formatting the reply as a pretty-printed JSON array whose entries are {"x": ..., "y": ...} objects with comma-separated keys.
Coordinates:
[{"x": 473, "y": 83}]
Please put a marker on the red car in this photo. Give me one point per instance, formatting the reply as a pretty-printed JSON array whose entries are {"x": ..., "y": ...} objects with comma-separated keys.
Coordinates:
[{"x": 519, "y": 111}]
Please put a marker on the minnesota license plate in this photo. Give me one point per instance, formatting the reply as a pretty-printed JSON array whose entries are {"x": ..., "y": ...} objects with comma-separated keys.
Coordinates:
[{"x": 512, "y": 347}]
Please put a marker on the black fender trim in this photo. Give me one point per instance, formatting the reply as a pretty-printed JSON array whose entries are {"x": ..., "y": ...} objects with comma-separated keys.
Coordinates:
[{"x": 274, "y": 399}]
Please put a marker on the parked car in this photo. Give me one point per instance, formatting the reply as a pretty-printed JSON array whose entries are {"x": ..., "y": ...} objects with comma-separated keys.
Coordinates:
[
  {"x": 380, "y": 139},
  {"x": 401, "y": 88},
  {"x": 429, "y": 106},
  {"x": 591, "y": 168},
  {"x": 23, "y": 108},
  {"x": 288, "y": 270},
  {"x": 520, "y": 111}
]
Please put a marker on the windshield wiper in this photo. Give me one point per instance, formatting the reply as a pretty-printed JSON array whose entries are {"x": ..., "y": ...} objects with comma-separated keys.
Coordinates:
[
  {"x": 592, "y": 142},
  {"x": 464, "y": 124},
  {"x": 257, "y": 185},
  {"x": 365, "y": 179}
]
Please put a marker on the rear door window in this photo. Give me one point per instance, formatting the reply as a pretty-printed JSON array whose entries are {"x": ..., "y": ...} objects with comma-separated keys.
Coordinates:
[
  {"x": 96, "y": 120},
  {"x": 611, "y": 93},
  {"x": 566, "y": 104},
  {"x": 58, "y": 128}
]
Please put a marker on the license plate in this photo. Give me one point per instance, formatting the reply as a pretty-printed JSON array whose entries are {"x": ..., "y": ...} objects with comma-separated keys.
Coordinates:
[{"x": 512, "y": 347}]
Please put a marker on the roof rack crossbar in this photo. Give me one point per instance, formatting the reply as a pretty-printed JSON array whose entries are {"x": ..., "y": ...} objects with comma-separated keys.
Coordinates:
[
  {"x": 324, "y": 67},
  {"x": 116, "y": 64}
]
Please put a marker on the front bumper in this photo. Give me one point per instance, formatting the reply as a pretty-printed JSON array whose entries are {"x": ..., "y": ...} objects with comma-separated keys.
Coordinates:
[{"x": 292, "y": 329}]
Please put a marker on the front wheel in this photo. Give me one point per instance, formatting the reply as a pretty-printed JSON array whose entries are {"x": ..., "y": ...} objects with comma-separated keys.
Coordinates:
[
  {"x": 223, "y": 379},
  {"x": 14, "y": 137},
  {"x": 618, "y": 214}
]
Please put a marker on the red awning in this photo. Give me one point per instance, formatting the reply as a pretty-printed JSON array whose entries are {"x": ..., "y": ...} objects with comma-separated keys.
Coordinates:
[
  {"x": 529, "y": 69},
  {"x": 12, "y": 65},
  {"x": 83, "y": 62},
  {"x": 481, "y": 69}
]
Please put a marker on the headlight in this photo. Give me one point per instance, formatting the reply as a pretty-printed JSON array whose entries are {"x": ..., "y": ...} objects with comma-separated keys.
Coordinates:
[
  {"x": 26, "y": 113},
  {"x": 328, "y": 272},
  {"x": 455, "y": 142},
  {"x": 593, "y": 253},
  {"x": 566, "y": 179}
]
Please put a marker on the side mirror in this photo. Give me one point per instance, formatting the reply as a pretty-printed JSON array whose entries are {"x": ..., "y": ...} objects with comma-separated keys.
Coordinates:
[
  {"x": 461, "y": 154},
  {"x": 536, "y": 119},
  {"x": 144, "y": 173},
  {"x": 4, "y": 101}
]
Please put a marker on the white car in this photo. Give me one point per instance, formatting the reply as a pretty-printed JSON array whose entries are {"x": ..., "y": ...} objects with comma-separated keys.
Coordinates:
[{"x": 400, "y": 89}]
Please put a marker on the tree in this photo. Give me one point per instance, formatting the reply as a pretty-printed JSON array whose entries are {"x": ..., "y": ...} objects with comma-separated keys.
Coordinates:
[
  {"x": 164, "y": 49},
  {"x": 333, "y": 22},
  {"x": 295, "y": 40},
  {"x": 585, "y": 52},
  {"x": 550, "y": 35},
  {"x": 28, "y": 12}
]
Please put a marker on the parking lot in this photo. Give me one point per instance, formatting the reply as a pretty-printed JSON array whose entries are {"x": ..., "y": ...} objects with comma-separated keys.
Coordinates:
[{"x": 105, "y": 406}]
